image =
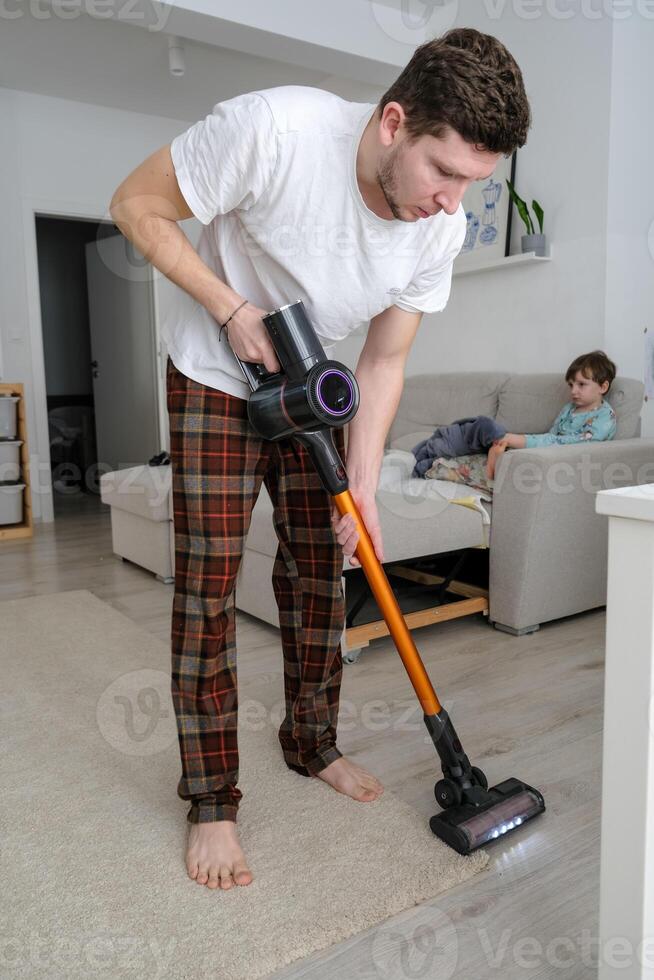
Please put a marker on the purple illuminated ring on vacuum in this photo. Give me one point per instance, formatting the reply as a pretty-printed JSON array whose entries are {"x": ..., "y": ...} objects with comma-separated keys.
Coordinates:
[{"x": 334, "y": 411}]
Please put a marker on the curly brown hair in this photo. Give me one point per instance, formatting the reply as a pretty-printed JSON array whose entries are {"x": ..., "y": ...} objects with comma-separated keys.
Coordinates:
[
  {"x": 468, "y": 81},
  {"x": 596, "y": 365}
]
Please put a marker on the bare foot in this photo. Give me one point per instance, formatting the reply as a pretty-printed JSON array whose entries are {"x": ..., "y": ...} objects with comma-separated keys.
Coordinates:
[
  {"x": 214, "y": 856},
  {"x": 494, "y": 454},
  {"x": 352, "y": 780}
]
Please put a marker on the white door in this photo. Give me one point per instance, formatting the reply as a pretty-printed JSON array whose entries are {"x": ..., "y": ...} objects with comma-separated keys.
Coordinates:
[{"x": 123, "y": 353}]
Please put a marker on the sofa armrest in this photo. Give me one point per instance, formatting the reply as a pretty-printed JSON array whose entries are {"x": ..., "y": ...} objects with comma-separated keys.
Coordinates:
[{"x": 548, "y": 546}]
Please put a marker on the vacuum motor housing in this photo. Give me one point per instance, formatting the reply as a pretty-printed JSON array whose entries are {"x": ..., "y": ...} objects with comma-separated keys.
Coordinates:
[
  {"x": 326, "y": 396},
  {"x": 311, "y": 392}
]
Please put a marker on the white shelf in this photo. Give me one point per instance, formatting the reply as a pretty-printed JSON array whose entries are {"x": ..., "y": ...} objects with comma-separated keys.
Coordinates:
[{"x": 506, "y": 262}]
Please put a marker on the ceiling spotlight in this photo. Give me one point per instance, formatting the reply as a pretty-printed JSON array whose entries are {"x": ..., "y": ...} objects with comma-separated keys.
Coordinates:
[{"x": 176, "y": 57}]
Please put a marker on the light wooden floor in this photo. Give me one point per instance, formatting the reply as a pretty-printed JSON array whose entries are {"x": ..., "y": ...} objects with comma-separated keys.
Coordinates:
[{"x": 525, "y": 706}]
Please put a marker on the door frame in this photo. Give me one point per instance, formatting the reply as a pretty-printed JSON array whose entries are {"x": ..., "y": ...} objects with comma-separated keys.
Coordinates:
[{"x": 42, "y": 498}]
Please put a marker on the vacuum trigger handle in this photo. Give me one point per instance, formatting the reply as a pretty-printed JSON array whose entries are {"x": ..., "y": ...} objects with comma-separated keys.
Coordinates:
[{"x": 255, "y": 374}]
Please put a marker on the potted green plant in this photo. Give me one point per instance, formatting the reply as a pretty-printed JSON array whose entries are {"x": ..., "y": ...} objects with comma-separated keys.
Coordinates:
[{"x": 532, "y": 241}]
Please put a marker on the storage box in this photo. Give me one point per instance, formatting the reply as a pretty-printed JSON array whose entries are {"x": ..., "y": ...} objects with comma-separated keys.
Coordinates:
[
  {"x": 10, "y": 460},
  {"x": 11, "y": 503},
  {"x": 8, "y": 416}
]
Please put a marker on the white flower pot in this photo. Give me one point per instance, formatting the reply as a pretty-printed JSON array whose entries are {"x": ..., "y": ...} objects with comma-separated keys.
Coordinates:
[{"x": 534, "y": 243}]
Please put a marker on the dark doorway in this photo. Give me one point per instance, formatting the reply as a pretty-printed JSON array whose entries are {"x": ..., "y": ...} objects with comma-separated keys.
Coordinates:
[{"x": 67, "y": 353}]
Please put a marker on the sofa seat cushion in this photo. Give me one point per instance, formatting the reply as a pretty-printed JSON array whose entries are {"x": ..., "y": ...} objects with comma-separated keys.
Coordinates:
[
  {"x": 435, "y": 533},
  {"x": 418, "y": 517},
  {"x": 143, "y": 490},
  {"x": 422, "y": 517}
]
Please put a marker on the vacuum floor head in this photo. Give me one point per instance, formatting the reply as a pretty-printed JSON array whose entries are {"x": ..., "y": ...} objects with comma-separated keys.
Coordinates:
[{"x": 507, "y": 806}]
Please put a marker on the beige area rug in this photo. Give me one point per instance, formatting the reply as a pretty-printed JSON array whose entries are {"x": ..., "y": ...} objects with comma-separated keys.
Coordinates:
[{"x": 93, "y": 834}]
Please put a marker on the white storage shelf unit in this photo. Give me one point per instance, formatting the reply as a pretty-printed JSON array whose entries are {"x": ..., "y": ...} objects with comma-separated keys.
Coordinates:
[{"x": 15, "y": 492}]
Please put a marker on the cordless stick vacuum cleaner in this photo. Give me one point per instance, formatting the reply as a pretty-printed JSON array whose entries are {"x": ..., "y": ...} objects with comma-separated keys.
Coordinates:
[{"x": 309, "y": 397}]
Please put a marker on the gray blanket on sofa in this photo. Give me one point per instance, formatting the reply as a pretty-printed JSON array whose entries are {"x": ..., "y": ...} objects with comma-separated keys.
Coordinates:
[{"x": 470, "y": 435}]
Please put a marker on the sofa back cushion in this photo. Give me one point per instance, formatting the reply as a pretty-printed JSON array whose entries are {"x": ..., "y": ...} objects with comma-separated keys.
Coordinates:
[
  {"x": 531, "y": 402},
  {"x": 626, "y": 398},
  {"x": 521, "y": 402},
  {"x": 430, "y": 400}
]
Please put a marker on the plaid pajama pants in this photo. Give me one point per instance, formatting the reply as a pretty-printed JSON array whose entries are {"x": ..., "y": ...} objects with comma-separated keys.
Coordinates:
[{"x": 218, "y": 463}]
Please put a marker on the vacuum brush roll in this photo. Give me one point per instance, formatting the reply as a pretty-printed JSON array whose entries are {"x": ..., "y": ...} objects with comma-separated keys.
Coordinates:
[{"x": 509, "y": 805}]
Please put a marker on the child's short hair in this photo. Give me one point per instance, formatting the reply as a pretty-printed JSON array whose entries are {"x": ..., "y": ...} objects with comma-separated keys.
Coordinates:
[{"x": 595, "y": 365}]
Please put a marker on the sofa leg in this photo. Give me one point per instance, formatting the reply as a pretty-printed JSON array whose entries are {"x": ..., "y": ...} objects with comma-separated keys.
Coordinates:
[
  {"x": 350, "y": 656},
  {"x": 514, "y": 632}
]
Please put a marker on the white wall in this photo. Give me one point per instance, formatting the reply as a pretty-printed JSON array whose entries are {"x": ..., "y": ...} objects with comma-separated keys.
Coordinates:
[
  {"x": 62, "y": 157},
  {"x": 538, "y": 318},
  {"x": 630, "y": 244}
]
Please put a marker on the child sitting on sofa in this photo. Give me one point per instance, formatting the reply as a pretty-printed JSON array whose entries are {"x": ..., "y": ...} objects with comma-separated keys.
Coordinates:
[{"x": 585, "y": 417}]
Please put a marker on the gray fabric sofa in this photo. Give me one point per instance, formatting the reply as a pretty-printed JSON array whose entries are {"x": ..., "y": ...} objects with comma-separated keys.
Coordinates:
[{"x": 548, "y": 547}]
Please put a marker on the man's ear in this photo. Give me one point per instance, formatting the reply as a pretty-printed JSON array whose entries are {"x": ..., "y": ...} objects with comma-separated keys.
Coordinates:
[{"x": 390, "y": 122}]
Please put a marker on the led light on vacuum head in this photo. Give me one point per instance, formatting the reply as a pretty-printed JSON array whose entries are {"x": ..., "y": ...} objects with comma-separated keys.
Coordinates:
[
  {"x": 500, "y": 819},
  {"x": 507, "y": 806}
]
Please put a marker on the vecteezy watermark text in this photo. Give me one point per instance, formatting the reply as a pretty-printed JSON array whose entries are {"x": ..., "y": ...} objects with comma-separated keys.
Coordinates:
[
  {"x": 411, "y": 22},
  {"x": 141, "y": 12},
  {"x": 103, "y": 953}
]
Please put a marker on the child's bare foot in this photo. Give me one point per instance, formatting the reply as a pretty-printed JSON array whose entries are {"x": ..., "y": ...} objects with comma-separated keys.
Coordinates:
[
  {"x": 214, "y": 856},
  {"x": 352, "y": 780},
  {"x": 494, "y": 453}
]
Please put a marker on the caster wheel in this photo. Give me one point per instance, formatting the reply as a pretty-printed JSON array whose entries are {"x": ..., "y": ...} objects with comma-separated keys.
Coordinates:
[
  {"x": 447, "y": 793},
  {"x": 480, "y": 777},
  {"x": 352, "y": 656}
]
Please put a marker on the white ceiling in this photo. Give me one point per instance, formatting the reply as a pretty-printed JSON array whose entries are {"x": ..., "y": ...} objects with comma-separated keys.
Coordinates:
[{"x": 107, "y": 63}]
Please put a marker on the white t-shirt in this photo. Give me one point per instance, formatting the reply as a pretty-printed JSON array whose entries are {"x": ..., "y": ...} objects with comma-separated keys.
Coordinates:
[{"x": 272, "y": 177}]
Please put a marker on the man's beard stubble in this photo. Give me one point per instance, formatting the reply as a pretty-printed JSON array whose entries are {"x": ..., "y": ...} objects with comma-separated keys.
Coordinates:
[{"x": 387, "y": 179}]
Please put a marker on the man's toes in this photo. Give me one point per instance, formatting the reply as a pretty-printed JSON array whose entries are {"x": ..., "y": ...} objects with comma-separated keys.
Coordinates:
[
  {"x": 192, "y": 868},
  {"x": 242, "y": 875},
  {"x": 226, "y": 878},
  {"x": 371, "y": 790},
  {"x": 203, "y": 876},
  {"x": 214, "y": 878}
]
